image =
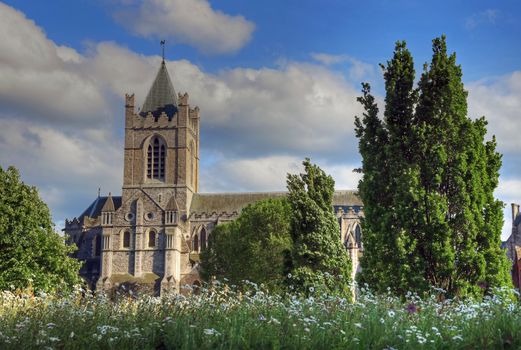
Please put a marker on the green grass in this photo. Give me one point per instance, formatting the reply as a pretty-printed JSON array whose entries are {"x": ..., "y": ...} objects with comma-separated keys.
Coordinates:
[{"x": 222, "y": 318}]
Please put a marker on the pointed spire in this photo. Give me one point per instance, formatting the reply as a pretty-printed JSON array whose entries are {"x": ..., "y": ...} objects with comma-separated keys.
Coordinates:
[
  {"x": 109, "y": 204},
  {"x": 161, "y": 97}
]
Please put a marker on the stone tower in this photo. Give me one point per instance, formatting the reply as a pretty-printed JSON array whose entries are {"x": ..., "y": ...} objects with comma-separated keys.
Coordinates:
[{"x": 161, "y": 171}]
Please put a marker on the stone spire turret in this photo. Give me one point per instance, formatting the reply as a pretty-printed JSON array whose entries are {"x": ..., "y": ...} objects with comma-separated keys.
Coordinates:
[{"x": 161, "y": 97}]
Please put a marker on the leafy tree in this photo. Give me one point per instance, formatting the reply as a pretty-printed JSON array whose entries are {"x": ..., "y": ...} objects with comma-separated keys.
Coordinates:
[
  {"x": 31, "y": 252},
  {"x": 254, "y": 247},
  {"x": 319, "y": 262},
  {"x": 430, "y": 215}
]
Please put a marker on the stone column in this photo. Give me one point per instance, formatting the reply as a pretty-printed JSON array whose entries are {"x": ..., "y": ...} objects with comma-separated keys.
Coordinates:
[
  {"x": 138, "y": 239},
  {"x": 106, "y": 260},
  {"x": 172, "y": 274}
]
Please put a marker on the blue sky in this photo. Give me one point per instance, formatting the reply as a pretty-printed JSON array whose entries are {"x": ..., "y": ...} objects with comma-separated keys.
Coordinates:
[{"x": 276, "y": 81}]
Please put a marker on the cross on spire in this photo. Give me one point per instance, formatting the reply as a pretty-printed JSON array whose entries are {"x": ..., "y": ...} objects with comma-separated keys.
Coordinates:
[{"x": 163, "y": 48}]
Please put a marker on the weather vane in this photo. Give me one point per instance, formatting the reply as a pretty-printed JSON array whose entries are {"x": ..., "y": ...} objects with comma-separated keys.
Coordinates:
[{"x": 163, "y": 48}]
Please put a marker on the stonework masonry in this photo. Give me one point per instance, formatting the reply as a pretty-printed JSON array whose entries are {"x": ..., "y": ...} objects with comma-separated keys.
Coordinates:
[{"x": 152, "y": 234}]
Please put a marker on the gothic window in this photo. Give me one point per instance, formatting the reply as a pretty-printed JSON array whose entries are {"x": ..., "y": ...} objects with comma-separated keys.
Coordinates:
[
  {"x": 358, "y": 235},
  {"x": 151, "y": 239},
  {"x": 195, "y": 244},
  {"x": 156, "y": 159},
  {"x": 126, "y": 239},
  {"x": 97, "y": 246},
  {"x": 203, "y": 239},
  {"x": 192, "y": 156}
]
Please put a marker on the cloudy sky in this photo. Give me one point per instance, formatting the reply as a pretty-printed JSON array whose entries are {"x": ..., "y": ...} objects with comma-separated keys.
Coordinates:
[{"x": 276, "y": 81}]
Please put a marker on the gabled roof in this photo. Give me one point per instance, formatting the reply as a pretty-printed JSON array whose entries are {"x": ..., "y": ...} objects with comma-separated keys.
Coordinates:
[
  {"x": 109, "y": 204},
  {"x": 94, "y": 210},
  {"x": 172, "y": 205},
  {"x": 161, "y": 97},
  {"x": 235, "y": 202}
]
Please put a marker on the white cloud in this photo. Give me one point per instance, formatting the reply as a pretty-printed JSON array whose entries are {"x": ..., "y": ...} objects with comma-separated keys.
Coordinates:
[
  {"x": 269, "y": 174},
  {"x": 499, "y": 100},
  {"x": 357, "y": 71},
  {"x": 488, "y": 16},
  {"x": 191, "y": 22},
  {"x": 38, "y": 77}
]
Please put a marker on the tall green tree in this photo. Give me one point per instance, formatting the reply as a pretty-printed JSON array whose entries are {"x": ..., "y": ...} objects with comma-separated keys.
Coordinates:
[
  {"x": 319, "y": 262},
  {"x": 254, "y": 247},
  {"x": 428, "y": 183},
  {"x": 31, "y": 252}
]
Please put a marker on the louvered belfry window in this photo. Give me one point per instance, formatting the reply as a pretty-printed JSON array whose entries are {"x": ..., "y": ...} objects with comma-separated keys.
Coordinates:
[{"x": 156, "y": 159}]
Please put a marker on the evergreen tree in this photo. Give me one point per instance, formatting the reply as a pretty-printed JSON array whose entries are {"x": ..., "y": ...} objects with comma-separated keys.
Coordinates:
[
  {"x": 254, "y": 247},
  {"x": 319, "y": 262},
  {"x": 31, "y": 252},
  {"x": 436, "y": 222}
]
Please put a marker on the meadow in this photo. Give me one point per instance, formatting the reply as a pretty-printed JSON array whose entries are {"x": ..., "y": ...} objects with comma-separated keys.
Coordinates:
[{"x": 222, "y": 317}]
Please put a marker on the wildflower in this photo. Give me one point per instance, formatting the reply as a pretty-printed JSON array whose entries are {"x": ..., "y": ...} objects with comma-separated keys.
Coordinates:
[
  {"x": 411, "y": 308},
  {"x": 290, "y": 275},
  {"x": 54, "y": 339},
  {"x": 482, "y": 284},
  {"x": 262, "y": 318},
  {"x": 51, "y": 325},
  {"x": 211, "y": 331},
  {"x": 311, "y": 289},
  {"x": 391, "y": 313},
  {"x": 71, "y": 335},
  {"x": 306, "y": 329},
  {"x": 341, "y": 331},
  {"x": 358, "y": 325},
  {"x": 457, "y": 337},
  {"x": 382, "y": 321}
]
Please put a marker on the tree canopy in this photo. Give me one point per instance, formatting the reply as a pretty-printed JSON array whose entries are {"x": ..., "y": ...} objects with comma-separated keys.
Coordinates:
[
  {"x": 31, "y": 252},
  {"x": 254, "y": 247},
  {"x": 431, "y": 218},
  {"x": 319, "y": 261}
]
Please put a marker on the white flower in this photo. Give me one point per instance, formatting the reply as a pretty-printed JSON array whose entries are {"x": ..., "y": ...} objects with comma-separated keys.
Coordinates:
[
  {"x": 457, "y": 337},
  {"x": 53, "y": 339},
  {"x": 311, "y": 289},
  {"x": 391, "y": 313},
  {"x": 211, "y": 331},
  {"x": 71, "y": 335},
  {"x": 382, "y": 321},
  {"x": 358, "y": 325}
]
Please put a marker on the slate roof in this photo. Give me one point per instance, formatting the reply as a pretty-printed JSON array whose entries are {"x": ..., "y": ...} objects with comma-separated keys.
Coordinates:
[
  {"x": 161, "y": 97},
  {"x": 235, "y": 202},
  {"x": 94, "y": 210}
]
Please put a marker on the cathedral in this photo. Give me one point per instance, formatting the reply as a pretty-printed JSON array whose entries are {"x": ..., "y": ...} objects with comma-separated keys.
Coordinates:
[{"x": 151, "y": 236}]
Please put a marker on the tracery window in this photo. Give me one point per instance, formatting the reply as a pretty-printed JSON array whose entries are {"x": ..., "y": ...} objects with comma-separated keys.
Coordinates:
[
  {"x": 203, "y": 239},
  {"x": 97, "y": 246},
  {"x": 358, "y": 235},
  {"x": 156, "y": 159},
  {"x": 126, "y": 239},
  {"x": 151, "y": 239},
  {"x": 195, "y": 244},
  {"x": 192, "y": 156}
]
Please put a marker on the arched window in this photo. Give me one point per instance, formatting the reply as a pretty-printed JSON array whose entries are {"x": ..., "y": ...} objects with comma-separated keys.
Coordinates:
[
  {"x": 192, "y": 157},
  {"x": 151, "y": 239},
  {"x": 97, "y": 246},
  {"x": 358, "y": 235},
  {"x": 156, "y": 159},
  {"x": 203, "y": 239},
  {"x": 126, "y": 239},
  {"x": 195, "y": 244}
]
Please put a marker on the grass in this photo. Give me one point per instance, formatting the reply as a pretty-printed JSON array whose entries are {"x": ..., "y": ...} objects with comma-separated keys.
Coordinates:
[{"x": 223, "y": 318}]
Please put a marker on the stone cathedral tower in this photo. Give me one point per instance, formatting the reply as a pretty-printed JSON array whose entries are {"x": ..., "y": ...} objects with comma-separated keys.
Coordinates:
[
  {"x": 151, "y": 236},
  {"x": 141, "y": 235}
]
